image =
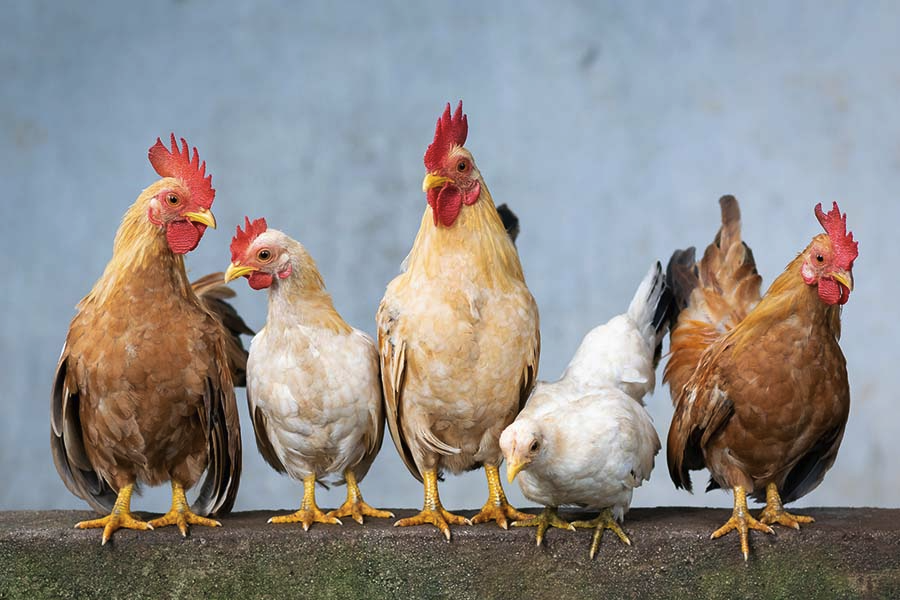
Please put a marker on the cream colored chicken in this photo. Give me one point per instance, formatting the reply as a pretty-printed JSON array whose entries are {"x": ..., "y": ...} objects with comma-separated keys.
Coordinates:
[
  {"x": 312, "y": 380},
  {"x": 586, "y": 439},
  {"x": 458, "y": 334}
]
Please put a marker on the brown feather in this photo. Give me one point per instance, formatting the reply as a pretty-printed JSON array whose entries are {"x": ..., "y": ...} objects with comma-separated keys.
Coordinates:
[
  {"x": 213, "y": 293},
  {"x": 143, "y": 389},
  {"x": 760, "y": 386}
]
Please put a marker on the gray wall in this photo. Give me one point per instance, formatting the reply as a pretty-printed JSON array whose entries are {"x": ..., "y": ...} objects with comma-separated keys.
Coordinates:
[{"x": 611, "y": 128}]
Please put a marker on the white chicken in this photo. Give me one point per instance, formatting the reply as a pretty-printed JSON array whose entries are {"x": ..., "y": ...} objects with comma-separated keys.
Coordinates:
[
  {"x": 587, "y": 439},
  {"x": 313, "y": 383}
]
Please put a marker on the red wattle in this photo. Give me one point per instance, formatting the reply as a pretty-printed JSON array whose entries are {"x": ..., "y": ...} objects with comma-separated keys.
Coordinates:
[
  {"x": 259, "y": 280},
  {"x": 445, "y": 203},
  {"x": 832, "y": 292},
  {"x": 183, "y": 236}
]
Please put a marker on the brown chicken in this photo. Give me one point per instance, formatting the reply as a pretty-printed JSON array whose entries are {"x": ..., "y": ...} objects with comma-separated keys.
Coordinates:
[
  {"x": 457, "y": 333},
  {"x": 144, "y": 389},
  {"x": 759, "y": 384}
]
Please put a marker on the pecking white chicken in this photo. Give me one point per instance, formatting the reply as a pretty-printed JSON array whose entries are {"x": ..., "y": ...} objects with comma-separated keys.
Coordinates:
[{"x": 587, "y": 439}]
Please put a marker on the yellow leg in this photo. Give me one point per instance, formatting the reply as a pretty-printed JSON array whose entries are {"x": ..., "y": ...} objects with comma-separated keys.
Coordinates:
[
  {"x": 774, "y": 511},
  {"x": 180, "y": 514},
  {"x": 742, "y": 521},
  {"x": 544, "y": 521},
  {"x": 355, "y": 506},
  {"x": 119, "y": 518},
  {"x": 433, "y": 512},
  {"x": 603, "y": 521},
  {"x": 309, "y": 513},
  {"x": 497, "y": 508}
]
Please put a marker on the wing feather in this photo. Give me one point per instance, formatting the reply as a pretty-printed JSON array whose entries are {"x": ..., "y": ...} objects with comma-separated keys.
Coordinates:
[{"x": 393, "y": 373}]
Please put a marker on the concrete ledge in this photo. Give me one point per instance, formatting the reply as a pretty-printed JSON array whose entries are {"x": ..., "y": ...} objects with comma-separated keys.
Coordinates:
[{"x": 847, "y": 553}]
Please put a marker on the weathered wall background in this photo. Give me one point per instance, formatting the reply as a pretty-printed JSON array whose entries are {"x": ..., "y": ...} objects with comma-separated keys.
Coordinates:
[{"x": 611, "y": 128}]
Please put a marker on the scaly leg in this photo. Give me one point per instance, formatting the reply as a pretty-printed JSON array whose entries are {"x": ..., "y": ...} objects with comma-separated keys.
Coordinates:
[
  {"x": 433, "y": 512},
  {"x": 603, "y": 521},
  {"x": 774, "y": 511},
  {"x": 355, "y": 506},
  {"x": 497, "y": 508},
  {"x": 309, "y": 513},
  {"x": 180, "y": 514},
  {"x": 119, "y": 518},
  {"x": 544, "y": 521},
  {"x": 742, "y": 521}
]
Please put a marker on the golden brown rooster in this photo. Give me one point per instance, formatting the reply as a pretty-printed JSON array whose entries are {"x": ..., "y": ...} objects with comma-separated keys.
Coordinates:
[
  {"x": 144, "y": 389},
  {"x": 458, "y": 334},
  {"x": 759, "y": 384}
]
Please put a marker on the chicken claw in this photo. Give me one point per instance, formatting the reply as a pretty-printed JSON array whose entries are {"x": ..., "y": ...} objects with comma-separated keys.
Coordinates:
[
  {"x": 497, "y": 508},
  {"x": 742, "y": 521},
  {"x": 355, "y": 506},
  {"x": 544, "y": 521},
  {"x": 603, "y": 521},
  {"x": 433, "y": 512},
  {"x": 119, "y": 518},
  {"x": 180, "y": 514},
  {"x": 308, "y": 513},
  {"x": 774, "y": 511}
]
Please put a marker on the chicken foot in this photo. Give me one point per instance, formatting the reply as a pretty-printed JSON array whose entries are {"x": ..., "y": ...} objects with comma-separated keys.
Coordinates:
[
  {"x": 308, "y": 513},
  {"x": 603, "y": 521},
  {"x": 120, "y": 517},
  {"x": 180, "y": 514},
  {"x": 544, "y": 521},
  {"x": 355, "y": 507},
  {"x": 742, "y": 521},
  {"x": 433, "y": 512},
  {"x": 774, "y": 511},
  {"x": 497, "y": 508}
]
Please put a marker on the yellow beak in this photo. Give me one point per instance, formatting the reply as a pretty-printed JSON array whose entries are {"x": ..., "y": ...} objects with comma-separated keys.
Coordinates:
[
  {"x": 236, "y": 270},
  {"x": 513, "y": 467},
  {"x": 201, "y": 216},
  {"x": 433, "y": 181},
  {"x": 844, "y": 278}
]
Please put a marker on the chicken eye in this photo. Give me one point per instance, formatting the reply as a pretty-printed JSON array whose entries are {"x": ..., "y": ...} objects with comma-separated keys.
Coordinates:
[
  {"x": 462, "y": 166},
  {"x": 264, "y": 255},
  {"x": 534, "y": 446},
  {"x": 820, "y": 258},
  {"x": 172, "y": 199}
]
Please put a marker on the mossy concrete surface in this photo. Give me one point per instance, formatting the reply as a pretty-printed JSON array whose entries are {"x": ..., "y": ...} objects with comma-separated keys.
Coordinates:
[{"x": 846, "y": 553}]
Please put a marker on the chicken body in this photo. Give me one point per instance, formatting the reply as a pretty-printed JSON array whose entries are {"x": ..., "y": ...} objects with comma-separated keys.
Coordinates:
[
  {"x": 144, "y": 388},
  {"x": 586, "y": 439},
  {"x": 458, "y": 337},
  {"x": 759, "y": 384},
  {"x": 313, "y": 383}
]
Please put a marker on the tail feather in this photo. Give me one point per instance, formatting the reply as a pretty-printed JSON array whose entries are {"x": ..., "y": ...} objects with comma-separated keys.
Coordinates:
[
  {"x": 213, "y": 292},
  {"x": 510, "y": 221},
  {"x": 711, "y": 297},
  {"x": 652, "y": 307}
]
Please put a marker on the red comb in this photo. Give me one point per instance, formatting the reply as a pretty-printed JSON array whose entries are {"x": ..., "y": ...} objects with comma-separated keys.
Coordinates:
[
  {"x": 450, "y": 131},
  {"x": 179, "y": 163},
  {"x": 242, "y": 239},
  {"x": 845, "y": 249}
]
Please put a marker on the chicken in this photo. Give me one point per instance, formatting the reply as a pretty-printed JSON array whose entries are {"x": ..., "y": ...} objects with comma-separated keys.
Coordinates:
[
  {"x": 458, "y": 334},
  {"x": 313, "y": 386},
  {"x": 586, "y": 439},
  {"x": 144, "y": 389},
  {"x": 759, "y": 384}
]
